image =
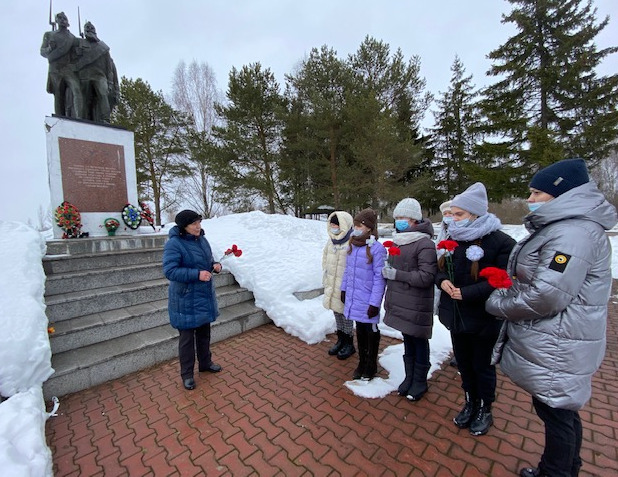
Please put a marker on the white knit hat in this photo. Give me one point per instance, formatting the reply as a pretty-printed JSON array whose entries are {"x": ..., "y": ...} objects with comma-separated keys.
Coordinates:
[
  {"x": 409, "y": 208},
  {"x": 473, "y": 199},
  {"x": 445, "y": 206}
]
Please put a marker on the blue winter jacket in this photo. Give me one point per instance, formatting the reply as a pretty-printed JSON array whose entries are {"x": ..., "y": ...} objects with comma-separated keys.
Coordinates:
[
  {"x": 363, "y": 282},
  {"x": 191, "y": 302}
]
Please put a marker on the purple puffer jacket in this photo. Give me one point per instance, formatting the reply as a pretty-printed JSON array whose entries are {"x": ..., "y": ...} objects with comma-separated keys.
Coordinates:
[{"x": 363, "y": 283}]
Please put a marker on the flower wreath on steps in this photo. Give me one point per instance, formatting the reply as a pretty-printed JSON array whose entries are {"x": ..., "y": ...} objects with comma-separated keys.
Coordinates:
[{"x": 131, "y": 216}]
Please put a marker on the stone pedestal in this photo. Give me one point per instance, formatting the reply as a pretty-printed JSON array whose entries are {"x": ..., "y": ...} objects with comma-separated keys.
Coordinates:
[{"x": 92, "y": 166}]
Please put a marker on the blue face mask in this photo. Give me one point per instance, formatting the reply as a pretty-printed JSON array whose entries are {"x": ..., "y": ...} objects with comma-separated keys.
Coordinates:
[
  {"x": 447, "y": 220},
  {"x": 462, "y": 222},
  {"x": 535, "y": 205},
  {"x": 335, "y": 230},
  {"x": 401, "y": 225},
  {"x": 357, "y": 233}
]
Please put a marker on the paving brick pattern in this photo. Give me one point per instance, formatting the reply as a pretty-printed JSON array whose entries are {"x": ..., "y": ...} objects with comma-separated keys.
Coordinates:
[{"x": 279, "y": 408}]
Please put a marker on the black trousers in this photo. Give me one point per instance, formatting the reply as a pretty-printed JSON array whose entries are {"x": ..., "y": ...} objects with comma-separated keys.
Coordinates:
[
  {"x": 563, "y": 440},
  {"x": 192, "y": 340},
  {"x": 473, "y": 354},
  {"x": 418, "y": 348}
]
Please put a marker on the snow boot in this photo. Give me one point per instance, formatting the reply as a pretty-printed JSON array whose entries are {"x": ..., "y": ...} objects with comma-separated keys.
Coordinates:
[
  {"x": 408, "y": 366},
  {"x": 482, "y": 420},
  {"x": 465, "y": 416},
  {"x": 347, "y": 349},
  {"x": 419, "y": 383},
  {"x": 338, "y": 345}
]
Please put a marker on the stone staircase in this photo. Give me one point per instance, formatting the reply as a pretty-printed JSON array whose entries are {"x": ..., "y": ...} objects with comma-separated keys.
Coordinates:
[{"x": 107, "y": 301}]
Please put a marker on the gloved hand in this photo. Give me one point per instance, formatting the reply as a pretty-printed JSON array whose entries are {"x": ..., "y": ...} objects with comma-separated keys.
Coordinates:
[
  {"x": 373, "y": 311},
  {"x": 342, "y": 296},
  {"x": 389, "y": 273}
]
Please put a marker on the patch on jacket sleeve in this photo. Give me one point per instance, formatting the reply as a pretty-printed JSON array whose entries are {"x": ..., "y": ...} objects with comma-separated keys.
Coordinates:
[{"x": 559, "y": 262}]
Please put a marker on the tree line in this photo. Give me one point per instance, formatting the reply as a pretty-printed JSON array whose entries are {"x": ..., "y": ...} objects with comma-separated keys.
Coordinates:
[{"x": 346, "y": 132}]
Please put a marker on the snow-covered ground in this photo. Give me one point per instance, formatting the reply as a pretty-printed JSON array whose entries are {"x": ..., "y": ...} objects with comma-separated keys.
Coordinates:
[{"x": 281, "y": 255}]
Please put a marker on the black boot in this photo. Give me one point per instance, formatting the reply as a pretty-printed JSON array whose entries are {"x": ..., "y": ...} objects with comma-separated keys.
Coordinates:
[
  {"x": 347, "y": 349},
  {"x": 408, "y": 366},
  {"x": 531, "y": 472},
  {"x": 338, "y": 345},
  {"x": 419, "y": 383},
  {"x": 361, "y": 341},
  {"x": 482, "y": 420},
  {"x": 373, "y": 346},
  {"x": 465, "y": 416}
]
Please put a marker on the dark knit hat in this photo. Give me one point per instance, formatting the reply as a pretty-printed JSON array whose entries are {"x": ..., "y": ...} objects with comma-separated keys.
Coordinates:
[
  {"x": 186, "y": 217},
  {"x": 334, "y": 219},
  {"x": 561, "y": 177},
  {"x": 368, "y": 218}
]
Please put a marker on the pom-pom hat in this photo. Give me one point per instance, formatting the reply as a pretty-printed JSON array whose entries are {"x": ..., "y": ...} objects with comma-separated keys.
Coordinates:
[
  {"x": 409, "y": 208},
  {"x": 561, "y": 177}
]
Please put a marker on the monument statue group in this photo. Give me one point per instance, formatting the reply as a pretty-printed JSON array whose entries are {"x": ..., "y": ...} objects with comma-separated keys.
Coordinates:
[{"x": 82, "y": 75}]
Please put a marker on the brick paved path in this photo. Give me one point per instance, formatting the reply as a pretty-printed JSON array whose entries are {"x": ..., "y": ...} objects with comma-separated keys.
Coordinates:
[{"x": 279, "y": 408}]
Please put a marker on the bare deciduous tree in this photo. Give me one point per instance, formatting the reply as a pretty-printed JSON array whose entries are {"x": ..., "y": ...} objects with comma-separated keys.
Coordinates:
[{"x": 194, "y": 91}]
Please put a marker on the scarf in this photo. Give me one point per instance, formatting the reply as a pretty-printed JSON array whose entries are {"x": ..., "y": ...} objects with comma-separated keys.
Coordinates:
[
  {"x": 405, "y": 238},
  {"x": 360, "y": 240},
  {"x": 481, "y": 226},
  {"x": 344, "y": 239}
]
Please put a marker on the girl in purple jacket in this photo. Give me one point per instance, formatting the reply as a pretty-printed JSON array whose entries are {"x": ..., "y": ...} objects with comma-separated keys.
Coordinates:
[{"x": 362, "y": 289}]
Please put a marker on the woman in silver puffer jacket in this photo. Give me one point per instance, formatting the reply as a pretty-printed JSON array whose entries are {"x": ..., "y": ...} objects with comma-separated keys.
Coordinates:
[{"x": 553, "y": 339}]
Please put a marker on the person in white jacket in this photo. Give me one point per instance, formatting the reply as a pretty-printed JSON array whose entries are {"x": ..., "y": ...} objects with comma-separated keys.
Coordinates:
[
  {"x": 553, "y": 338},
  {"x": 339, "y": 227}
]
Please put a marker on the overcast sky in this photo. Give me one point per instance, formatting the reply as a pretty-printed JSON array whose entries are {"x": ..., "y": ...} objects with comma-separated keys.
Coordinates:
[{"x": 148, "y": 38}]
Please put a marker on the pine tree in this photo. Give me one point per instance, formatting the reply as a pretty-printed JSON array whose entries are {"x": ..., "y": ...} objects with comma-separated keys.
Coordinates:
[
  {"x": 316, "y": 92},
  {"x": 455, "y": 136},
  {"x": 549, "y": 102},
  {"x": 160, "y": 134},
  {"x": 251, "y": 137}
]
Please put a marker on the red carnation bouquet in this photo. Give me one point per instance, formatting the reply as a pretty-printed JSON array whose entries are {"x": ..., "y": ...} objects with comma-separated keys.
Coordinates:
[
  {"x": 233, "y": 250},
  {"x": 447, "y": 245},
  {"x": 497, "y": 277},
  {"x": 393, "y": 251}
]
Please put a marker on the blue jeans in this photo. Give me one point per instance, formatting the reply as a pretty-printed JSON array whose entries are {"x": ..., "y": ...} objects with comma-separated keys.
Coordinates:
[{"x": 563, "y": 440}]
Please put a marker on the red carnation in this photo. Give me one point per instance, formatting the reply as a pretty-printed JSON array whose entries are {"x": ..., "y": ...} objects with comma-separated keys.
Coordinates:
[
  {"x": 497, "y": 277},
  {"x": 448, "y": 245},
  {"x": 388, "y": 243}
]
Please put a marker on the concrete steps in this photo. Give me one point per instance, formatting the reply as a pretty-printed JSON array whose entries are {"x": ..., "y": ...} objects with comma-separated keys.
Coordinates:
[{"x": 107, "y": 301}]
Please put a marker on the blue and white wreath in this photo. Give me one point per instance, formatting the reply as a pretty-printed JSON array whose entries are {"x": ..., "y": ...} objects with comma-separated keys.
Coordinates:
[{"x": 131, "y": 216}]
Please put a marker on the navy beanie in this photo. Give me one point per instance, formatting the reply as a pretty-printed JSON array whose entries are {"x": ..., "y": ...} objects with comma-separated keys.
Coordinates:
[{"x": 561, "y": 177}]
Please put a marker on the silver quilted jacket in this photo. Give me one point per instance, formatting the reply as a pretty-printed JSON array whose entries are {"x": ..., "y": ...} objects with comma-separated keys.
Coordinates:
[{"x": 553, "y": 339}]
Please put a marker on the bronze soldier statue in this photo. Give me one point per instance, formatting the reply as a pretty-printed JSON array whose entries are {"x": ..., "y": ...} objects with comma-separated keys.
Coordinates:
[
  {"x": 97, "y": 75},
  {"x": 60, "y": 49}
]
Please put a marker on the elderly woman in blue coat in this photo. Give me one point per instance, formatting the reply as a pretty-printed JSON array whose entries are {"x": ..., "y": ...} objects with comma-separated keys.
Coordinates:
[
  {"x": 188, "y": 265},
  {"x": 553, "y": 338},
  {"x": 362, "y": 290}
]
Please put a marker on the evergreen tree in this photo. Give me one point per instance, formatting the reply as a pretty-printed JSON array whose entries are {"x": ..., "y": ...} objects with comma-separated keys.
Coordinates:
[
  {"x": 317, "y": 94},
  {"x": 455, "y": 136},
  {"x": 160, "y": 134},
  {"x": 549, "y": 102},
  {"x": 251, "y": 137}
]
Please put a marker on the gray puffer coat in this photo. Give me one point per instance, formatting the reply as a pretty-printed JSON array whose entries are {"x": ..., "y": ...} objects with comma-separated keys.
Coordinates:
[
  {"x": 409, "y": 298},
  {"x": 556, "y": 310}
]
